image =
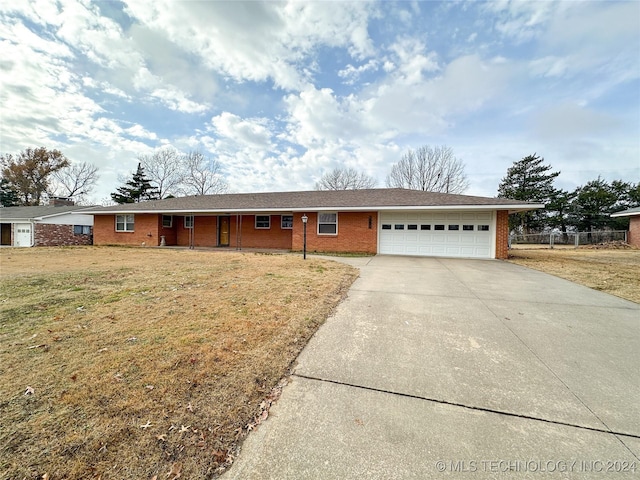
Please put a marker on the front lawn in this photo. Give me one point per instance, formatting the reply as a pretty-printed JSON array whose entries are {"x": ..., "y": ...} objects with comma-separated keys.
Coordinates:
[{"x": 135, "y": 363}]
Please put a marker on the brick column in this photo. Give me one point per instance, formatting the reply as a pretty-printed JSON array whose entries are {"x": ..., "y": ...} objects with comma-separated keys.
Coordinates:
[{"x": 502, "y": 234}]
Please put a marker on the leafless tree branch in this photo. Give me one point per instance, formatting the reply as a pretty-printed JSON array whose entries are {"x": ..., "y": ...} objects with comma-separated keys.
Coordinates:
[
  {"x": 164, "y": 169},
  {"x": 431, "y": 169},
  {"x": 75, "y": 181},
  {"x": 345, "y": 179},
  {"x": 203, "y": 176}
]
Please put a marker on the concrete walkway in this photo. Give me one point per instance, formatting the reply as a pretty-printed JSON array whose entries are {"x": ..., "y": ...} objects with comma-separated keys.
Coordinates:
[{"x": 463, "y": 369}]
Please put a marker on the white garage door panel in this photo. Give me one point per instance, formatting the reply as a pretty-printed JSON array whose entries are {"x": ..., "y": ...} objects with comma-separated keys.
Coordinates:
[
  {"x": 396, "y": 237},
  {"x": 22, "y": 235}
]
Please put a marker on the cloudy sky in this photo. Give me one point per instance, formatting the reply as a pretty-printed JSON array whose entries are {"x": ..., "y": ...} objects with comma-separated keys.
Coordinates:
[{"x": 280, "y": 92}]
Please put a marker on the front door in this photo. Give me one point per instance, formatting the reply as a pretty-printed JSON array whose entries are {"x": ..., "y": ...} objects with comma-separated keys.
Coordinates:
[
  {"x": 223, "y": 231},
  {"x": 5, "y": 236}
]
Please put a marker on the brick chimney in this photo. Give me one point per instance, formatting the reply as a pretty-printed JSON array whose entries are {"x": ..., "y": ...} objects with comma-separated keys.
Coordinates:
[{"x": 61, "y": 202}]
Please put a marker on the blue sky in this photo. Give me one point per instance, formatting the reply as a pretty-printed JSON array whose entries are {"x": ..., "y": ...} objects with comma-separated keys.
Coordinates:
[{"x": 281, "y": 92}]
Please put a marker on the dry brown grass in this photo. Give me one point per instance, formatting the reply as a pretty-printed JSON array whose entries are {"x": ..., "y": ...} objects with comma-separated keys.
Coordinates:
[
  {"x": 146, "y": 360},
  {"x": 612, "y": 271}
]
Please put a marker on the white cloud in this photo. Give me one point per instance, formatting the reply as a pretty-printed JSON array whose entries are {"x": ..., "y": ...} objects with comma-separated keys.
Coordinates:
[
  {"x": 141, "y": 132},
  {"x": 521, "y": 21},
  {"x": 413, "y": 60},
  {"x": 245, "y": 132},
  {"x": 568, "y": 121},
  {"x": 225, "y": 35},
  {"x": 351, "y": 74},
  {"x": 550, "y": 66}
]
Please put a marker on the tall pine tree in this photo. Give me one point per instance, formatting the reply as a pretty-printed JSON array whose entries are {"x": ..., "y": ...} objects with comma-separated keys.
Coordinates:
[
  {"x": 529, "y": 180},
  {"x": 136, "y": 190},
  {"x": 8, "y": 195}
]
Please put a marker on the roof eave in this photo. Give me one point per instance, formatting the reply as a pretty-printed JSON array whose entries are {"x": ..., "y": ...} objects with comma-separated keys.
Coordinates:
[
  {"x": 622, "y": 214},
  {"x": 511, "y": 207}
]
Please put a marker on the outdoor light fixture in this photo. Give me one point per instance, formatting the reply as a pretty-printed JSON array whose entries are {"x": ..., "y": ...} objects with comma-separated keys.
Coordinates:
[{"x": 304, "y": 236}]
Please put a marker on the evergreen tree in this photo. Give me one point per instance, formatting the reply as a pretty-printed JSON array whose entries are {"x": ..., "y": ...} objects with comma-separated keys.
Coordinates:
[
  {"x": 529, "y": 180},
  {"x": 136, "y": 190},
  {"x": 593, "y": 204},
  {"x": 8, "y": 195},
  {"x": 559, "y": 210}
]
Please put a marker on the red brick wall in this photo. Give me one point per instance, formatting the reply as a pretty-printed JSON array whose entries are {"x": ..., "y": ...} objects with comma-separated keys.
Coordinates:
[
  {"x": 633, "y": 237},
  {"x": 502, "y": 234},
  {"x": 47, "y": 235},
  {"x": 205, "y": 231},
  {"x": 169, "y": 233},
  {"x": 146, "y": 230},
  {"x": 354, "y": 234},
  {"x": 274, "y": 237}
]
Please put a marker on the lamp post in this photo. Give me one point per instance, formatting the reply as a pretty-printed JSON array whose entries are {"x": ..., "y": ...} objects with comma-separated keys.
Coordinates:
[{"x": 304, "y": 236}]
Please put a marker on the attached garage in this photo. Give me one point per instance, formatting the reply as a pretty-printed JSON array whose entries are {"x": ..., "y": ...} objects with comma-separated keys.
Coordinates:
[{"x": 438, "y": 234}]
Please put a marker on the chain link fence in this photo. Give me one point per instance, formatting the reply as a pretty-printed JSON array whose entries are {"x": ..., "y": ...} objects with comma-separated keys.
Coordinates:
[{"x": 575, "y": 239}]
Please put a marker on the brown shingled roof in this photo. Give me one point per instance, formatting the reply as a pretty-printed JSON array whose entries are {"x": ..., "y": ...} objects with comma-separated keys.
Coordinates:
[{"x": 344, "y": 200}]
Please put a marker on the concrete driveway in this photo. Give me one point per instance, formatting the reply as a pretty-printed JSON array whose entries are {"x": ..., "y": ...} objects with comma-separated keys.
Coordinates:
[{"x": 459, "y": 368}]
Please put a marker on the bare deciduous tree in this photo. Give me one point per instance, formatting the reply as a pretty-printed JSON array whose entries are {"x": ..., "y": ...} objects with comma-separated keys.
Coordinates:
[
  {"x": 75, "y": 181},
  {"x": 165, "y": 171},
  {"x": 345, "y": 179},
  {"x": 431, "y": 169},
  {"x": 203, "y": 176}
]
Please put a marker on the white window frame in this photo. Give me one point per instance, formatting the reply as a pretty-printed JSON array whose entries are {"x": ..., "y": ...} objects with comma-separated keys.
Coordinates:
[
  {"x": 262, "y": 228},
  {"x": 188, "y": 221},
  {"x": 129, "y": 222},
  {"x": 282, "y": 222},
  {"x": 170, "y": 217},
  {"x": 320, "y": 214}
]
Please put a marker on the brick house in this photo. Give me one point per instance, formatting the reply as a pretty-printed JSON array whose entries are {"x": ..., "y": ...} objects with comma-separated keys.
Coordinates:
[
  {"x": 633, "y": 234},
  {"x": 47, "y": 226},
  {"x": 386, "y": 221}
]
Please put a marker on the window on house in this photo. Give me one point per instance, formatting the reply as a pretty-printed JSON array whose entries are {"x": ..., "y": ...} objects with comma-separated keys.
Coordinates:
[
  {"x": 467, "y": 228},
  {"x": 188, "y": 221},
  {"x": 327, "y": 224},
  {"x": 81, "y": 230},
  {"x": 386, "y": 226},
  {"x": 398, "y": 226},
  {"x": 286, "y": 222},
  {"x": 438, "y": 227},
  {"x": 425, "y": 227},
  {"x": 412, "y": 227},
  {"x": 483, "y": 228},
  {"x": 454, "y": 227},
  {"x": 167, "y": 221},
  {"x": 263, "y": 221},
  {"x": 124, "y": 223}
]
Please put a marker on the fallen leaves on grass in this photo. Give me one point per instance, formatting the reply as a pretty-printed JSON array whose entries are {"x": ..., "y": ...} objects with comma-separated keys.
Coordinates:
[{"x": 144, "y": 377}]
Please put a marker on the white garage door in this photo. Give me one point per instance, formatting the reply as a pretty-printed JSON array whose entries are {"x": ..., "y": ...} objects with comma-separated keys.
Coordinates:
[
  {"x": 22, "y": 235},
  {"x": 442, "y": 234}
]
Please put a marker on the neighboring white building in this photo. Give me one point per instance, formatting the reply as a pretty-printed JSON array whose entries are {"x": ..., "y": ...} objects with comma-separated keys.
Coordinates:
[{"x": 45, "y": 226}]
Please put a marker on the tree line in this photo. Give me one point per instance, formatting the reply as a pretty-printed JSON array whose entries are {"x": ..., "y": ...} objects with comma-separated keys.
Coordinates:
[
  {"x": 586, "y": 208},
  {"x": 166, "y": 173},
  {"x": 36, "y": 175}
]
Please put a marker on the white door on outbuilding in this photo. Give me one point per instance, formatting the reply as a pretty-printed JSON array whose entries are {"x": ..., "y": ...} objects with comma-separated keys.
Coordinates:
[
  {"x": 437, "y": 234},
  {"x": 22, "y": 235}
]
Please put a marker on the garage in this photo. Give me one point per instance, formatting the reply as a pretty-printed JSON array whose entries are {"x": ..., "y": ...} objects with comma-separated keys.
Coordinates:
[
  {"x": 437, "y": 234},
  {"x": 22, "y": 235}
]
